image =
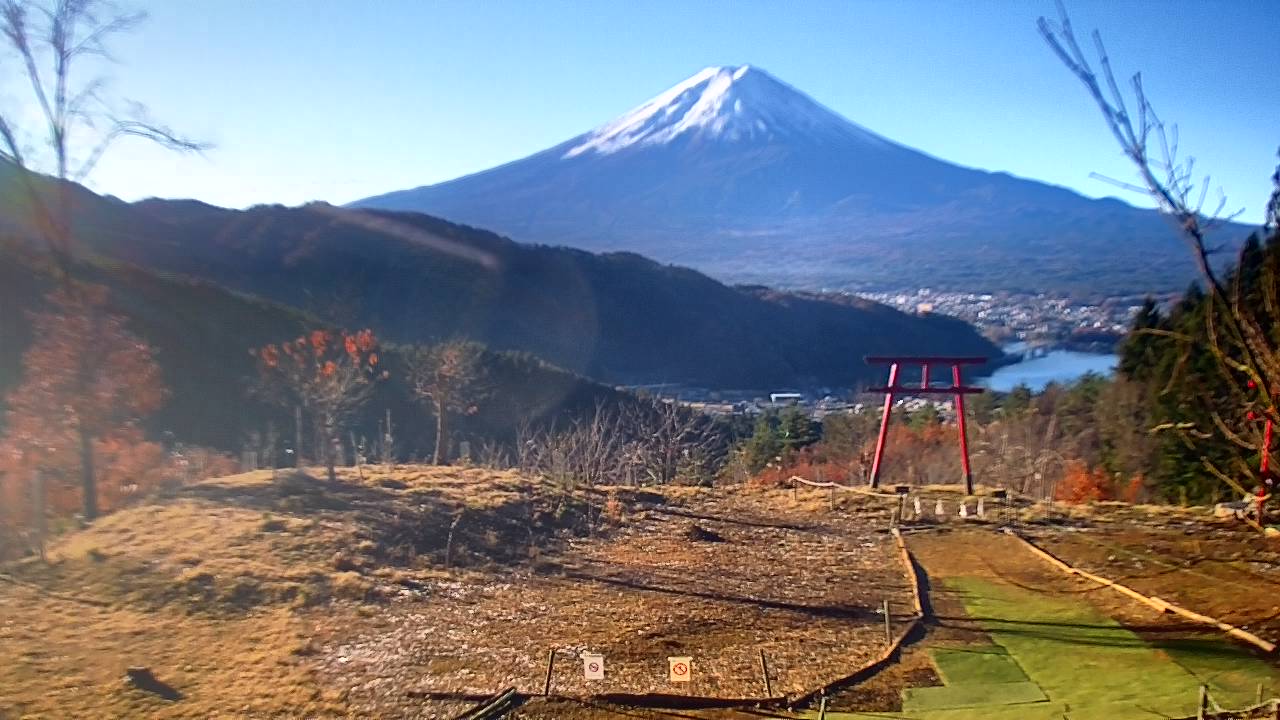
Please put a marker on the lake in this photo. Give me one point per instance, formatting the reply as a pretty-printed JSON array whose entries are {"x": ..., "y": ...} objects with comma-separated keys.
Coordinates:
[{"x": 1060, "y": 366}]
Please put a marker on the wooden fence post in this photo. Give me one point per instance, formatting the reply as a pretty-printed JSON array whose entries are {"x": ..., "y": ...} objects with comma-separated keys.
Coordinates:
[
  {"x": 551, "y": 661},
  {"x": 768, "y": 687},
  {"x": 888, "y": 629},
  {"x": 1203, "y": 704}
]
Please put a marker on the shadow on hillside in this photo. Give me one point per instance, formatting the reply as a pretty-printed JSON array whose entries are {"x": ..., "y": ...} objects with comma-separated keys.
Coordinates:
[
  {"x": 926, "y": 590},
  {"x": 1157, "y": 637},
  {"x": 293, "y": 492},
  {"x": 404, "y": 525},
  {"x": 733, "y": 521},
  {"x": 827, "y": 611}
]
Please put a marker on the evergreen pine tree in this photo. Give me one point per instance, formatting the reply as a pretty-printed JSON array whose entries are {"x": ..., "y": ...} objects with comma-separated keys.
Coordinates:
[
  {"x": 795, "y": 429},
  {"x": 764, "y": 444}
]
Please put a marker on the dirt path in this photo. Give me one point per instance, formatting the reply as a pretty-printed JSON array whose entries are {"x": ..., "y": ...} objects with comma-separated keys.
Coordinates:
[
  {"x": 1014, "y": 638},
  {"x": 715, "y": 577}
]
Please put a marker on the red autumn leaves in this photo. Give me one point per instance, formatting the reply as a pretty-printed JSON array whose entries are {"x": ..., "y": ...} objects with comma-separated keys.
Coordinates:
[
  {"x": 320, "y": 354},
  {"x": 326, "y": 374}
]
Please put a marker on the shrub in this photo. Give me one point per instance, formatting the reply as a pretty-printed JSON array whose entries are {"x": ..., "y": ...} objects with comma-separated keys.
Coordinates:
[{"x": 1079, "y": 484}]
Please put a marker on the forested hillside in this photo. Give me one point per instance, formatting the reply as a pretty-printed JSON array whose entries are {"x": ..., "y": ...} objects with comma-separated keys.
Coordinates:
[
  {"x": 616, "y": 317},
  {"x": 202, "y": 334}
]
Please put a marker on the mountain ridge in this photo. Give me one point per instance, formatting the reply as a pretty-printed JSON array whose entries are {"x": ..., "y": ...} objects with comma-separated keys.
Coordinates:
[
  {"x": 616, "y": 317},
  {"x": 742, "y": 176}
]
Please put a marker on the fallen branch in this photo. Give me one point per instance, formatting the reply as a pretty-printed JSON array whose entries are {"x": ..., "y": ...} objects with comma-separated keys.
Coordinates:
[
  {"x": 496, "y": 706},
  {"x": 1155, "y": 603}
]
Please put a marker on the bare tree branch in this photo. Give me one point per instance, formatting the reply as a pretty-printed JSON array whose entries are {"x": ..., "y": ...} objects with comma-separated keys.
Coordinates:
[
  {"x": 47, "y": 37},
  {"x": 1239, "y": 341}
]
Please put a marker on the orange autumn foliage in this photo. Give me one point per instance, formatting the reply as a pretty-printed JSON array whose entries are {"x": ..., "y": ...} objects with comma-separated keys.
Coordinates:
[
  {"x": 321, "y": 369},
  {"x": 810, "y": 465},
  {"x": 1136, "y": 490},
  {"x": 86, "y": 380},
  {"x": 128, "y": 467},
  {"x": 1079, "y": 484},
  {"x": 325, "y": 373}
]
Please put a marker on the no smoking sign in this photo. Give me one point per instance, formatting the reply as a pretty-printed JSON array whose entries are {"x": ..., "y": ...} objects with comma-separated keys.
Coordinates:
[
  {"x": 592, "y": 666},
  {"x": 681, "y": 668}
]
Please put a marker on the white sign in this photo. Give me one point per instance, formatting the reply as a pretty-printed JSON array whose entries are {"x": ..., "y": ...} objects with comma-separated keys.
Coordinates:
[
  {"x": 592, "y": 666},
  {"x": 681, "y": 668}
]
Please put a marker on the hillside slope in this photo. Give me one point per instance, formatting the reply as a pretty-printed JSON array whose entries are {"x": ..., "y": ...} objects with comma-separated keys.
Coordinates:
[
  {"x": 616, "y": 317},
  {"x": 202, "y": 334},
  {"x": 405, "y": 592}
]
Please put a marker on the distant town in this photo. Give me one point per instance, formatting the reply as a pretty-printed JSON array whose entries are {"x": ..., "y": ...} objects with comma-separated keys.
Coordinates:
[
  {"x": 1033, "y": 323},
  {"x": 1026, "y": 325}
]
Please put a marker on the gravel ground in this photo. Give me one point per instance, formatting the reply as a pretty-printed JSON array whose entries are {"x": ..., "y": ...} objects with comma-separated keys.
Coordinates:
[{"x": 794, "y": 579}]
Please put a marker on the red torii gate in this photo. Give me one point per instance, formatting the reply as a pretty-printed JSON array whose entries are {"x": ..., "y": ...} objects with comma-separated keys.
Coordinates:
[{"x": 958, "y": 389}]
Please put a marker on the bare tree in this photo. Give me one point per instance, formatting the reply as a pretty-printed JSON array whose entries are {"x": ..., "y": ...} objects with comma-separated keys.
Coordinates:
[
  {"x": 646, "y": 441},
  {"x": 79, "y": 123},
  {"x": 672, "y": 442},
  {"x": 589, "y": 451},
  {"x": 43, "y": 43},
  {"x": 451, "y": 377},
  {"x": 1239, "y": 337}
]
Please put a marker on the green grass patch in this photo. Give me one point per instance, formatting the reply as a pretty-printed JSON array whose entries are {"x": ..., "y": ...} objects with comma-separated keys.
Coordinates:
[
  {"x": 977, "y": 666},
  {"x": 970, "y": 695},
  {"x": 1087, "y": 665},
  {"x": 1087, "y": 660},
  {"x": 1032, "y": 711}
]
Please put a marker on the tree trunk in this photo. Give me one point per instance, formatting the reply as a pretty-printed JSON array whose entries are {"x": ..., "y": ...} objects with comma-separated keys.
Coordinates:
[
  {"x": 38, "y": 511},
  {"x": 333, "y": 447},
  {"x": 88, "y": 482},
  {"x": 297, "y": 436},
  {"x": 439, "y": 457}
]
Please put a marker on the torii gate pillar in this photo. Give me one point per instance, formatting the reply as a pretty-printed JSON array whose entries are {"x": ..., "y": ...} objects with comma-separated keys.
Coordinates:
[{"x": 958, "y": 389}]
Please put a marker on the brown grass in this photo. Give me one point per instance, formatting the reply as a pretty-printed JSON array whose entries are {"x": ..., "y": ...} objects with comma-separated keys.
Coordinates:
[{"x": 215, "y": 587}]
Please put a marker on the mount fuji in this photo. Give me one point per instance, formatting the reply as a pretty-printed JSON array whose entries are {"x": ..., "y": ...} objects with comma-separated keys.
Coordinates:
[{"x": 740, "y": 175}]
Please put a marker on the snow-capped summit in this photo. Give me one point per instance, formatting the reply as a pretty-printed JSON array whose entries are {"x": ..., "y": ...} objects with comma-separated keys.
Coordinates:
[{"x": 722, "y": 103}]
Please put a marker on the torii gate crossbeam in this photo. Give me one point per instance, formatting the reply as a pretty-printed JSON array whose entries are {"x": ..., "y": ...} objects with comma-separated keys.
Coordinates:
[{"x": 893, "y": 389}]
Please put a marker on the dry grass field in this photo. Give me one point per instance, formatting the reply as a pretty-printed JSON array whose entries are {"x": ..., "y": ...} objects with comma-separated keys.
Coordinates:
[{"x": 391, "y": 594}]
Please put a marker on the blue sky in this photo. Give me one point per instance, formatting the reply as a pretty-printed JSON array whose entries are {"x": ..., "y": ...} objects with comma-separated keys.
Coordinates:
[{"x": 321, "y": 99}]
